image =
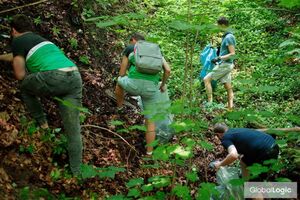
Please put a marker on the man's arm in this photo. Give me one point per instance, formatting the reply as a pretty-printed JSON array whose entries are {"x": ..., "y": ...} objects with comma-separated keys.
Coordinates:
[
  {"x": 124, "y": 65},
  {"x": 167, "y": 72},
  {"x": 7, "y": 57},
  {"x": 230, "y": 158},
  {"x": 231, "y": 49},
  {"x": 19, "y": 67}
]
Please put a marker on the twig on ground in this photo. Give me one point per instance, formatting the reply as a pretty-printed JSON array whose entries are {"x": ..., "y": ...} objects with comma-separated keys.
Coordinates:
[
  {"x": 106, "y": 129},
  {"x": 19, "y": 7}
]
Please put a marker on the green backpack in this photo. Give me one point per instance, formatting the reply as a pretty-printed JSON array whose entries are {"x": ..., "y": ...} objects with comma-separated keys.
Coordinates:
[{"x": 148, "y": 57}]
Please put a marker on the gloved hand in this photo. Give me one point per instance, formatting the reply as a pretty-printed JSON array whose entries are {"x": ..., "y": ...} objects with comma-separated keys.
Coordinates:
[{"x": 216, "y": 60}]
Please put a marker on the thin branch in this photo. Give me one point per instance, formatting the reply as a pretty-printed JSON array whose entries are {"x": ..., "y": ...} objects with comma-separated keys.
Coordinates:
[
  {"x": 102, "y": 128},
  {"x": 5, "y": 27},
  {"x": 19, "y": 7}
]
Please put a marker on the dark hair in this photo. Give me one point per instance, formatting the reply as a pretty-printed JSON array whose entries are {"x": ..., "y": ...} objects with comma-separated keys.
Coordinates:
[
  {"x": 137, "y": 37},
  {"x": 223, "y": 21},
  {"x": 21, "y": 23},
  {"x": 220, "y": 128}
]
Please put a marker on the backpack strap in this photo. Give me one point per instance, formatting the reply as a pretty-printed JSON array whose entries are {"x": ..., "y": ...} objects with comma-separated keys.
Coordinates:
[{"x": 225, "y": 34}]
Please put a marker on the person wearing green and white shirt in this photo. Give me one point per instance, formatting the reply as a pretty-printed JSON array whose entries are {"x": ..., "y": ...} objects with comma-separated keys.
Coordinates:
[{"x": 44, "y": 70}]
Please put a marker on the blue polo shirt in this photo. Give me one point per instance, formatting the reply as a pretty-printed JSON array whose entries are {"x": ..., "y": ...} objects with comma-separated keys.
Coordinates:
[
  {"x": 228, "y": 39},
  {"x": 248, "y": 142}
]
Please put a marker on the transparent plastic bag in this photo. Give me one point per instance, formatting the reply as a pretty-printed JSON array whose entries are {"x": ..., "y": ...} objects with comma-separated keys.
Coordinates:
[{"x": 226, "y": 190}]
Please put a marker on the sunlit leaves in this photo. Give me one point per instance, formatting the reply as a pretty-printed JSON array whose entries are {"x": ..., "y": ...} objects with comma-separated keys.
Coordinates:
[{"x": 160, "y": 181}]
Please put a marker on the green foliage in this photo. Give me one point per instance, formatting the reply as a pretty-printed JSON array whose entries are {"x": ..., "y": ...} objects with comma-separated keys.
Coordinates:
[
  {"x": 37, "y": 20},
  {"x": 182, "y": 192},
  {"x": 27, "y": 149},
  {"x": 55, "y": 31},
  {"x": 89, "y": 171},
  {"x": 84, "y": 59},
  {"x": 73, "y": 42},
  {"x": 265, "y": 82},
  {"x": 55, "y": 174},
  {"x": 60, "y": 145},
  {"x": 206, "y": 190},
  {"x": 290, "y": 3},
  {"x": 134, "y": 182}
]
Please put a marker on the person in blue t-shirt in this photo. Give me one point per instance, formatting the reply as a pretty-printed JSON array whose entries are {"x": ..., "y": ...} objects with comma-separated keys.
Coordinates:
[
  {"x": 255, "y": 146},
  {"x": 224, "y": 63}
]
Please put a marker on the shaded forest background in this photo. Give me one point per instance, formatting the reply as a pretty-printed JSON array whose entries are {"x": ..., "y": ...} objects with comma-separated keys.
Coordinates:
[{"x": 266, "y": 82}]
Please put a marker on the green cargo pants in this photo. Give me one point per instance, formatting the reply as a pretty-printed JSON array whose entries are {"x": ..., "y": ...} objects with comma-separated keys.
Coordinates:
[{"x": 68, "y": 87}]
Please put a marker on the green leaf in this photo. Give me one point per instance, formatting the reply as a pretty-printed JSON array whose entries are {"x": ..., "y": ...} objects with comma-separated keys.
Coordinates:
[
  {"x": 293, "y": 52},
  {"x": 281, "y": 179},
  {"x": 257, "y": 169},
  {"x": 159, "y": 181},
  {"x": 288, "y": 42},
  {"x": 206, "y": 190},
  {"x": 138, "y": 127},
  {"x": 235, "y": 115},
  {"x": 134, "y": 182},
  {"x": 182, "y": 152},
  {"x": 88, "y": 171},
  {"x": 117, "y": 197},
  {"x": 188, "y": 141},
  {"x": 123, "y": 130},
  {"x": 290, "y": 3},
  {"x": 147, "y": 188},
  {"x": 160, "y": 153},
  {"x": 192, "y": 176},
  {"x": 237, "y": 182},
  {"x": 134, "y": 193},
  {"x": 180, "y": 25},
  {"x": 84, "y": 59},
  {"x": 116, "y": 123},
  {"x": 182, "y": 192}
]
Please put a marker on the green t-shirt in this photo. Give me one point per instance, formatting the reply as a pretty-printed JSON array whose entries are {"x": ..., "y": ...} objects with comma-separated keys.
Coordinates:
[
  {"x": 40, "y": 54},
  {"x": 132, "y": 72}
]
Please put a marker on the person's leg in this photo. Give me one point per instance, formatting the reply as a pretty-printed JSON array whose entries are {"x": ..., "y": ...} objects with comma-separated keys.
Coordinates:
[
  {"x": 229, "y": 90},
  {"x": 150, "y": 95},
  {"x": 119, "y": 91},
  {"x": 71, "y": 122},
  {"x": 245, "y": 171},
  {"x": 69, "y": 110},
  {"x": 207, "y": 82},
  {"x": 32, "y": 87},
  {"x": 126, "y": 84},
  {"x": 150, "y": 135}
]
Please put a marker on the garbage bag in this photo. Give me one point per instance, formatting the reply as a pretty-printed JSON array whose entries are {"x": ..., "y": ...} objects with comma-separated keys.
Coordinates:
[
  {"x": 227, "y": 190},
  {"x": 206, "y": 56}
]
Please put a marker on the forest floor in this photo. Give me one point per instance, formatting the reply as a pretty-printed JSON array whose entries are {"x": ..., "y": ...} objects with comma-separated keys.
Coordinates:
[{"x": 30, "y": 160}]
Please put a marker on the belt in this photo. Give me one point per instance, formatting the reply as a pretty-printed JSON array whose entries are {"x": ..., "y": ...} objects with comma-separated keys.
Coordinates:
[{"x": 68, "y": 69}]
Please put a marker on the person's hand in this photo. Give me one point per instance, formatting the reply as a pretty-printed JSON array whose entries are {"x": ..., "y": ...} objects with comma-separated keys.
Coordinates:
[
  {"x": 162, "y": 88},
  {"x": 216, "y": 60},
  {"x": 215, "y": 165}
]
